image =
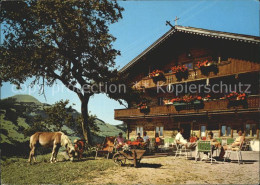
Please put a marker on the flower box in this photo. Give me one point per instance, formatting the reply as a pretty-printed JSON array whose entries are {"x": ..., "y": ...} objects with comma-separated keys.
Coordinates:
[
  {"x": 206, "y": 67},
  {"x": 157, "y": 75},
  {"x": 236, "y": 99},
  {"x": 236, "y": 103},
  {"x": 180, "y": 106},
  {"x": 181, "y": 72},
  {"x": 188, "y": 104},
  {"x": 198, "y": 104},
  {"x": 143, "y": 108}
]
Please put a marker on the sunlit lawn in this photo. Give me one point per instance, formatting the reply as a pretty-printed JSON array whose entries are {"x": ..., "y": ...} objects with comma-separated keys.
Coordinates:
[{"x": 19, "y": 171}]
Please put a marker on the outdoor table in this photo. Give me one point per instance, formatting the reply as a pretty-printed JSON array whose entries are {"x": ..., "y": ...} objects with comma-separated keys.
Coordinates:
[{"x": 135, "y": 143}]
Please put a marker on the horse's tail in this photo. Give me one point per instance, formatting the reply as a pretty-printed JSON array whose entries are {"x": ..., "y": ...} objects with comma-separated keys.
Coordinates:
[{"x": 32, "y": 138}]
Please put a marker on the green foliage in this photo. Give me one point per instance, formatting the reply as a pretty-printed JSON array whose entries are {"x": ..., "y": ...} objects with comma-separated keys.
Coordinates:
[
  {"x": 37, "y": 125},
  {"x": 58, "y": 115},
  {"x": 15, "y": 133},
  {"x": 58, "y": 40},
  {"x": 92, "y": 121},
  {"x": 67, "y": 41}
]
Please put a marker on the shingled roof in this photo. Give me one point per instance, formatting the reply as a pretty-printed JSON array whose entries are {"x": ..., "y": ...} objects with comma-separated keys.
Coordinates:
[{"x": 196, "y": 31}]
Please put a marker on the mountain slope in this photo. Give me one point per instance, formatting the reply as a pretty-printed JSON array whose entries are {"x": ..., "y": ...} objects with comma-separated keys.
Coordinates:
[
  {"x": 26, "y": 99},
  {"x": 16, "y": 115}
]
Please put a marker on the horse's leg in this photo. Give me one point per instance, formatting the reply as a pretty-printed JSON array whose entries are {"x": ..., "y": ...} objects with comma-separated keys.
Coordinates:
[
  {"x": 56, "y": 153},
  {"x": 53, "y": 153},
  {"x": 32, "y": 154}
]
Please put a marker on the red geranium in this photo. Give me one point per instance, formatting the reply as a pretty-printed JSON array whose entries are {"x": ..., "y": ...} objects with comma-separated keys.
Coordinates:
[
  {"x": 156, "y": 73},
  {"x": 205, "y": 63},
  {"x": 142, "y": 105},
  {"x": 236, "y": 96},
  {"x": 179, "y": 68}
]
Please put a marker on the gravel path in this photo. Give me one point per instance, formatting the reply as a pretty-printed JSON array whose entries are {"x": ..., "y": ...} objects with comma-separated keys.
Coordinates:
[{"x": 167, "y": 170}]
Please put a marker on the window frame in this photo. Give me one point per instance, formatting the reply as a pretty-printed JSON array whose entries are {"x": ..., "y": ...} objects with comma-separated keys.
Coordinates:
[
  {"x": 205, "y": 129},
  {"x": 159, "y": 126},
  {"x": 251, "y": 131},
  {"x": 226, "y": 130},
  {"x": 141, "y": 133}
]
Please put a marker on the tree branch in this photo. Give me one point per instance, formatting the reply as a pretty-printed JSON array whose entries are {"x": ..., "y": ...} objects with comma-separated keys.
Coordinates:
[{"x": 69, "y": 86}]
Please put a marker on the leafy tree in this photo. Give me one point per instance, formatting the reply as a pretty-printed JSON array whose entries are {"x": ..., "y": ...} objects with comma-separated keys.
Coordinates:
[
  {"x": 67, "y": 41},
  {"x": 58, "y": 115},
  {"x": 37, "y": 125}
]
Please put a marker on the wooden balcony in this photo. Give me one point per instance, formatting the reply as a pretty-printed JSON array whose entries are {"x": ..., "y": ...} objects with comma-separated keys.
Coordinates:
[
  {"x": 210, "y": 107},
  {"x": 226, "y": 68}
]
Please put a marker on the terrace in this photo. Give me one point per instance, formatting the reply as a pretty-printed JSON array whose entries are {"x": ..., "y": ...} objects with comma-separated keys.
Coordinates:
[
  {"x": 210, "y": 107},
  {"x": 226, "y": 68}
]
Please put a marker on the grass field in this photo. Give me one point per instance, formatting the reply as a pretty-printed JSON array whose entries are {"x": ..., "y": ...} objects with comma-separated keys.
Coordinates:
[{"x": 19, "y": 171}]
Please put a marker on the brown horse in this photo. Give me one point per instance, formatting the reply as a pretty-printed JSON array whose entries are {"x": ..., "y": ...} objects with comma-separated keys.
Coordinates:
[{"x": 51, "y": 139}]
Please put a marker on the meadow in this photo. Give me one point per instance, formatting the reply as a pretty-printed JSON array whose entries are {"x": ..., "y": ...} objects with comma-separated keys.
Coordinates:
[{"x": 18, "y": 171}]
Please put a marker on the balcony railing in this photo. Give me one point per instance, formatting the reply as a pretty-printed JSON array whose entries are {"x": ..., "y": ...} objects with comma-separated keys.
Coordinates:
[
  {"x": 167, "y": 110},
  {"x": 226, "y": 68}
]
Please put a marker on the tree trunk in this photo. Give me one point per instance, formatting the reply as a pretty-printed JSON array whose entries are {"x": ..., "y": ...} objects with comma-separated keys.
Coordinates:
[{"x": 85, "y": 116}]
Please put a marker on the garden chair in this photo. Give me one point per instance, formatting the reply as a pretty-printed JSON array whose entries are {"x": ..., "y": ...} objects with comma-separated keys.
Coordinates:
[
  {"x": 161, "y": 146},
  {"x": 236, "y": 150},
  {"x": 107, "y": 147},
  {"x": 245, "y": 145},
  {"x": 181, "y": 150},
  {"x": 151, "y": 144},
  {"x": 204, "y": 146},
  {"x": 166, "y": 145},
  {"x": 230, "y": 141},
  {"x": 171, "y": 142}
]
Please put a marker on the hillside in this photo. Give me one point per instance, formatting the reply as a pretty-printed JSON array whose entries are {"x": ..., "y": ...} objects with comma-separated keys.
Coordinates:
[
  {"x": 26, "y": 99},
  {"x": 17, "y": 113}
]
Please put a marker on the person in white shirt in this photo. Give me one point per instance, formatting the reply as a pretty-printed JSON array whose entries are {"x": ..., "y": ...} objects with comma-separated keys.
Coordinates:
[
  {"x": 180, "y": 139},
  {"x": 146, "y": 138}
]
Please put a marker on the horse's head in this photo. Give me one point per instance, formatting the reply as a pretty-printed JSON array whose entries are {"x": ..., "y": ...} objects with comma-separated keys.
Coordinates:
[
  {"x": 70, "y": 151},
  {"x": 65, "y": 141}
]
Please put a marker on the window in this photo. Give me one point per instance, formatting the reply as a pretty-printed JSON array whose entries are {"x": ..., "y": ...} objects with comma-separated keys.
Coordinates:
[
  {"x": 251, "y": 130},
  {"x": 139, "y": 130},
  {"x": 159, "y": 130},
  {"x": 189, "y": 65},
  {"x": 225, "y": 130},
  {"x": 203, "y": 131}
]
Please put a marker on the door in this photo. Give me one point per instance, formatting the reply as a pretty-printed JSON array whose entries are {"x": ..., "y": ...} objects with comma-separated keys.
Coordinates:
[{"x": 187, "y": 128}]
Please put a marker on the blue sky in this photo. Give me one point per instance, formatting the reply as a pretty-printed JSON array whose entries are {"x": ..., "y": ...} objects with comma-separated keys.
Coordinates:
[{"x": 143, "y": 22}]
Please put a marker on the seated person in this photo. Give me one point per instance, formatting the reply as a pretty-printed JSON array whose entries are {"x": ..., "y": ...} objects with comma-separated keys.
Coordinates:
[
  {"x": 215, "y": 144},
  {"x": 146, "y": 138},
  {"x": 180, "y": 140},
  {"x": 211, "y": 139},
  {"x": 240, "y": 139},
  {"x": 120, "y": 140},
  {"x": 79, "y": 148},
  {"x": 139, "y": 138},
  {"x": 157, "y": 141}
]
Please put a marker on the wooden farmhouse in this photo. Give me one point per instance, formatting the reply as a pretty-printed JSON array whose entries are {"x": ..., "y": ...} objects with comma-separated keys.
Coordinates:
[{"x": 197, "y": 79}]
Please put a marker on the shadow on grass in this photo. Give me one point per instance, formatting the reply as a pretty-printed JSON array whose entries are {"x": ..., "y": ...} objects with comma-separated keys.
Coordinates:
[
  {"x": 83, "y": 160},
  {"x": 144, "y": 165},
  {"x": 244, "y": 161}
]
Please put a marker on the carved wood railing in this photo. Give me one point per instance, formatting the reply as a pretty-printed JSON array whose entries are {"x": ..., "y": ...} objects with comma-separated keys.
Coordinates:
[{"x": 164, "y": 110}]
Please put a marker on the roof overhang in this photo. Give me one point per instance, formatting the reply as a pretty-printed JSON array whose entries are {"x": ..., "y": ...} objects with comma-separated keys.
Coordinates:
[{"x": 196, "y": 31}]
